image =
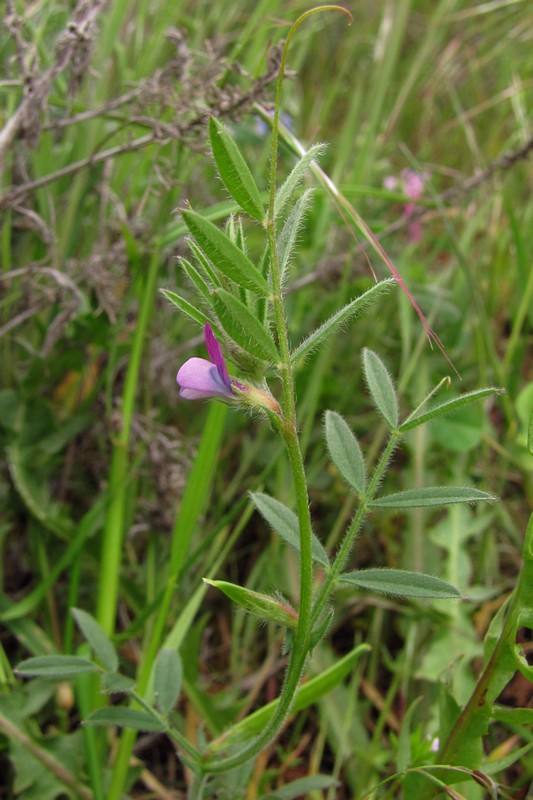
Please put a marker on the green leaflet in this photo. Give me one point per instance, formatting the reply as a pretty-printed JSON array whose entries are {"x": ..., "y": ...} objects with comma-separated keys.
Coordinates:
[
  {"x": 447, "y": 407},
  {"x": 243, "y": 327},
  {"x": 351, "y": 310},
  {"x": 97, "y": 639},
  {"x": 301, "y": 787},
  {"x": 345, "y": 451},
  {"x": 400, "y": 582},
  {"x": 295, "y": 177},
  {"x": 432, "y": 496},
  {"x": 114, "y": 683},
  {"x": 288, "y": 237},
  {"x": 186, "y": 307},
  {"x": 501, "y": 662},
  {"x": 234, "y": 171},
  {"x": 307, "y": 694},
  {"x": 285, "y": 523},
  {"x": 125, "y": 718},
  {"x": 513, "y": 716},
  {"x": 167, "y": 679},
  {"x": 381, "y": 387},
  {"x": 196, "y": 279},
  {"x": 57, "y": 667},
  {"x": 225, "y": 255},
  {"x": 203, "y": 263}
]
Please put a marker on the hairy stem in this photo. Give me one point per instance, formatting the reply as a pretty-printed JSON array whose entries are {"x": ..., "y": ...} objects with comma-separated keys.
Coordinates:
[
  {"x": 355, "y": 526},
  {"x": 289, "y": 432}
]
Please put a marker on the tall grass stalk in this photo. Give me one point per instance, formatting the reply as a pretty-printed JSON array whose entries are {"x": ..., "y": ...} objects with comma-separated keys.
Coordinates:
[
  {"x": 194, "y": 500},
  {"x": 113, "y": 536}
]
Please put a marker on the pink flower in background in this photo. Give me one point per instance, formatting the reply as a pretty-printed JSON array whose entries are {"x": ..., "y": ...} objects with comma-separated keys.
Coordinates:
[
  {"x": 200, "y": 379},
  {"x": 412, "y": 184}
]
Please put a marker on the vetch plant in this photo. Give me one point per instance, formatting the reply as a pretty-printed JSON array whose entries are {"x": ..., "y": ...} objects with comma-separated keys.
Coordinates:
[{"x": 242, "y": 311}]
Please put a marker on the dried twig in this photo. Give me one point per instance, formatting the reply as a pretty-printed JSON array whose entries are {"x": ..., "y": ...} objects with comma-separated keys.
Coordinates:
[
  {"x": 227, "y": 105},
  {"x": 73, "y": 48}
]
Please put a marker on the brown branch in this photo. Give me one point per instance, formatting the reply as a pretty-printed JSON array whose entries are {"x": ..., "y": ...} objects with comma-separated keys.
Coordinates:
[
  {"x": 162, "y": 133},
  {"x": 101, "y": 111},
  {"x": 15, "y": 194},
  {"x": 25, "y": 120},
  {"x": 500, "y": 164}
]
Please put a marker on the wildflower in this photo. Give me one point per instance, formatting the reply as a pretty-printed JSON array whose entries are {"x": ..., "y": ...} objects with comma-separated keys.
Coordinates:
[
  {"x": 412, "y": 183},
  {"x": 199, "y": 379}
]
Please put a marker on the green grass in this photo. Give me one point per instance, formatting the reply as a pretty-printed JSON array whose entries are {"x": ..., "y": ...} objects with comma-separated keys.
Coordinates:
[{"x": 118, "y": 497}]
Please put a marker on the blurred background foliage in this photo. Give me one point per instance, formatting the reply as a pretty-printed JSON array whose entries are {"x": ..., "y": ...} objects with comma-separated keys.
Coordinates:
[{"x": 104, "y": 108}]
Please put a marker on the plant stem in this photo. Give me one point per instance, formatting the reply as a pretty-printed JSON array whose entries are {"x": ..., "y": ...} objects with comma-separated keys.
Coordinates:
[
  {"x": 355, "y": 526},
  {"x": 289, "y": 432}
]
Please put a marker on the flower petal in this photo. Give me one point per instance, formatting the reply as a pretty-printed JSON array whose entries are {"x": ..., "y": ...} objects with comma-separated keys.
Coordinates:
[
  {"x": 413, "y": 184},
  {"x": 199, "y": 378},
  {"x": 215, "y": 355}
]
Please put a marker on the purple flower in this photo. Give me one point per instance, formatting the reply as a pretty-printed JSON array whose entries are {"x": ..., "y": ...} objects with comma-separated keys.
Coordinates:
[{"x": 199, "y": 379}]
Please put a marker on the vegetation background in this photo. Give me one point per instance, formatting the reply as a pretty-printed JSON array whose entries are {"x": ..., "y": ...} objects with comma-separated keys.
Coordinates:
[{"x": 104, "y": 109}]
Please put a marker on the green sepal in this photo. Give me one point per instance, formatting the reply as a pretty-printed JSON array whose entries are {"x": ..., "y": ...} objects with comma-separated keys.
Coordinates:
[
  {"x": 258, "y": 604},
  {"x": 234, "y": 171}
]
